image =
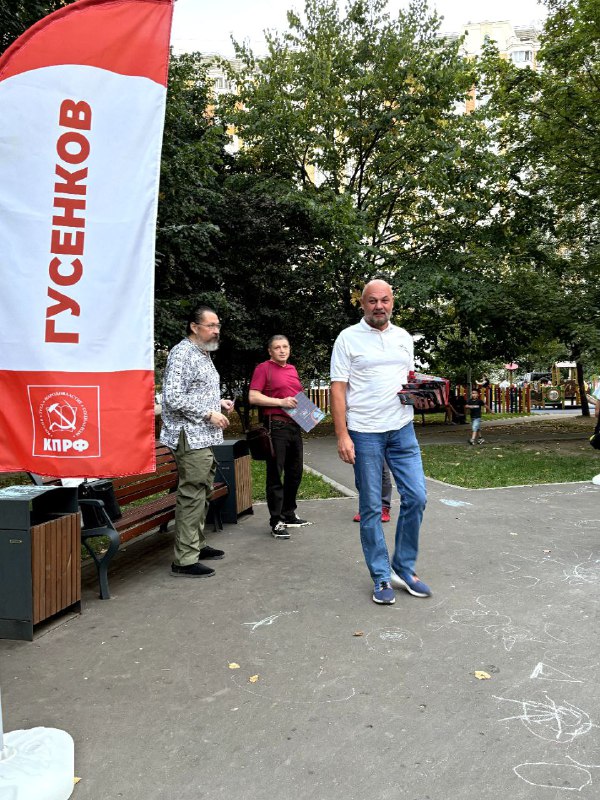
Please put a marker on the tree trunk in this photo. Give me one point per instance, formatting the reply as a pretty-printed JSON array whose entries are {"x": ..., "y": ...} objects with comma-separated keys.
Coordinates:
[{"x": 585, "y": 407}]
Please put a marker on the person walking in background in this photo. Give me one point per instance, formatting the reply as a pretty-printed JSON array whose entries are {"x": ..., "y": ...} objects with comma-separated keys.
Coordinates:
[
  {"x": 274, "y": 387},
  {"x": 386, "y": 495},
  {"x": 475, "y": 405},
  {"x": 192, "y": 422},
  {"x": 370, "y": 362}
]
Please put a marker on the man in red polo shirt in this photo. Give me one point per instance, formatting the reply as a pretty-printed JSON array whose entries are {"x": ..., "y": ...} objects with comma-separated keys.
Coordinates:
[{"x": 274, "y": 387}]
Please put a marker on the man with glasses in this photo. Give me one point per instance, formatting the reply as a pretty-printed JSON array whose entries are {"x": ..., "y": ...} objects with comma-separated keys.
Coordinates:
[
  {"x": 194, "y": 418},
  {"x": 369, "y": 364}
]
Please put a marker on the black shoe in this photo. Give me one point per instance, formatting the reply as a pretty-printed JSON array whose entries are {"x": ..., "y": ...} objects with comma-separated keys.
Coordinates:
[
  {"x": 210, "y": 554},
  {"x": 293, "y": 521},
  {"x": 191, "y": 571},
  {"x": 279, "y": 531}
]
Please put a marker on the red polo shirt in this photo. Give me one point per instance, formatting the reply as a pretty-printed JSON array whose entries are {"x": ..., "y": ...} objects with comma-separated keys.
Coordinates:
[{"x": 281, "y": 382}]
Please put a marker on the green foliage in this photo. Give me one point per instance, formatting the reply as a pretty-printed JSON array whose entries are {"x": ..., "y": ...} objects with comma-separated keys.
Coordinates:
[
  {"x": 359, "y": 113},
  {"x": 192, "y": 157},
  {"x": 245, "y": 242},
  {"x": 16, "y": 16},
  {"x": 547, "y": 124},
  {"x": 360, "y": 107}
]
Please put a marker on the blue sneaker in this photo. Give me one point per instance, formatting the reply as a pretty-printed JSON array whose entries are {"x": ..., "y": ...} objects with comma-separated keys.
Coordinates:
[
  {"x": 411, "y": 583},
  {"x": 384, "y": 594}
]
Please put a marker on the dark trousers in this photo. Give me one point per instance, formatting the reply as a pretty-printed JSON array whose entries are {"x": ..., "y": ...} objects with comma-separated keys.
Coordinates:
[{"x": 284, "y": 472}]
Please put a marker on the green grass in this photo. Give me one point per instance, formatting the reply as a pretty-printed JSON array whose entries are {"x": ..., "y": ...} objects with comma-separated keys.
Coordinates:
[
  {"x": 14, "y": 479},
  {"x": 485, "y": 466},
  {"x": 311, "y": 488}
]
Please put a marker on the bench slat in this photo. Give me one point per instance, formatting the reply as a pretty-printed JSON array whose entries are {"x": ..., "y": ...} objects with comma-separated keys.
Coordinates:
[
  {"x": 136, "y": 514},
  {"x": 148, "y": 525},
  {"x": 141, "y": 490}
]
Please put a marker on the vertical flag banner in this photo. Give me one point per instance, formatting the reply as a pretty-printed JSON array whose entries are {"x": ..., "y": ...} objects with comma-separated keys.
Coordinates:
[{"x": 82, "y": 106}]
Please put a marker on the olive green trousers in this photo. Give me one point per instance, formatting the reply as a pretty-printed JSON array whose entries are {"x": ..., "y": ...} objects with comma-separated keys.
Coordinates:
[{"x": 196, "y": 475}]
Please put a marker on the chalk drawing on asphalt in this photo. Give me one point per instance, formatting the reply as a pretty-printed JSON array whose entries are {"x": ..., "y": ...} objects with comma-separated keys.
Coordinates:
[
  {"x": 395, "y": 642},
  {"x": 268, "y": 620},
  {"x": 586, "y": 572},
  {"x": 545, "y": 718},
  {"x": 498, "y": 626},
  {"x": 546, "y": 672},
  {"x": 563, "y": 725},
  {"x": 545, "y": 775},
  {"x": 592, "y": 524},
  {"x": 544, "y": 497}
]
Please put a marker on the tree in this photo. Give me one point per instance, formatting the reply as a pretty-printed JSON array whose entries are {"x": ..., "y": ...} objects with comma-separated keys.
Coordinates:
[
  {"x": 359, "y": 112},
  {"x": 246, "y": 243},
  {"x": 193, "y": 154},
  {"x": 548, "y": 125},
  {"x": 16, "y": 16}
]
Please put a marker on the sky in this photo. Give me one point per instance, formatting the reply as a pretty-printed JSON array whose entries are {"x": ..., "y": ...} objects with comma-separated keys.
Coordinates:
[{"x": 206, "y": 25}]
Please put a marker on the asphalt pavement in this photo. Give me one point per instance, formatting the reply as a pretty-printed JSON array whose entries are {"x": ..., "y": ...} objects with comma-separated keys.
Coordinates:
[{"x": 279, "y": 677}]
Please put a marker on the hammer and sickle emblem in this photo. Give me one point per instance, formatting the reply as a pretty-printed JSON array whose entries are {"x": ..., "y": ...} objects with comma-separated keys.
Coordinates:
[{"x": 61, "y": 418}]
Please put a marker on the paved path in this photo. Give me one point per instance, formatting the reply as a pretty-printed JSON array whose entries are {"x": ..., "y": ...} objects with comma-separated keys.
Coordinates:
[{"x": 350, "y": 700}]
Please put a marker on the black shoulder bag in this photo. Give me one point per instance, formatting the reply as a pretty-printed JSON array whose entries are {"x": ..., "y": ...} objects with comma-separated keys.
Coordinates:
[
  {"x": 258, "y": 437},
  {"x": 104, "y": 490}
]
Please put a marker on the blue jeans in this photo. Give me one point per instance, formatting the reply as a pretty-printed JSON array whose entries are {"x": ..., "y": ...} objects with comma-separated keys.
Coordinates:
[{"x": 401, "y": 451}]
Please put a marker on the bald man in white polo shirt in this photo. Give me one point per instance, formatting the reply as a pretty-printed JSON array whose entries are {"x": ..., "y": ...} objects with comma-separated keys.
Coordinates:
[{"x": 369, "y": 364}]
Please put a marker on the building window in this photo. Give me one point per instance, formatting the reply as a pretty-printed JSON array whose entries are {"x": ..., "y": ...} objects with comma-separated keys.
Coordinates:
[{"x": 521, "y": 56}]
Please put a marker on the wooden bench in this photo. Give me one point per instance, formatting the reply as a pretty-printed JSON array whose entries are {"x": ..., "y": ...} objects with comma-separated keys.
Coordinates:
[{"x": 147, "y": 503}]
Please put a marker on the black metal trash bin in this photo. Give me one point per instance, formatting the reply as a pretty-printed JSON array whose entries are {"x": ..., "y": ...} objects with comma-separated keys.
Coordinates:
[
  {"x": 234, "y": 460},
  {"x": 40, "y": 556}
]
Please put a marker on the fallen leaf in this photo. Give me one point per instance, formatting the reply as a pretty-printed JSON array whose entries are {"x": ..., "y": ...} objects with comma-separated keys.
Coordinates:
[
  {"x": 233, "y": 665},
  {"x": 481, "y": 675},
  {"x": 253, "y": 678},
  {"x": 76, "y": 780},
  {"x": 358, "y": 633}
]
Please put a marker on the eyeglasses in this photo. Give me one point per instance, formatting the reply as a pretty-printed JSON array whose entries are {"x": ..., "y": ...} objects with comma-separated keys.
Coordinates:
[{"x": 212, "y": 327}]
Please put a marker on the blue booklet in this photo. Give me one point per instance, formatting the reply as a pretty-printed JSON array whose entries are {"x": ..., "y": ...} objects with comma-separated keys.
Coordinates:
[{"x": 306, "y": 413}]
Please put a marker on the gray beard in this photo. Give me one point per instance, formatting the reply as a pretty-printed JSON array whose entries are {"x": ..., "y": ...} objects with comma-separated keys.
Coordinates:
[
  {"x": 376, "y": 323},
  {"x": 210, "y": 347}
]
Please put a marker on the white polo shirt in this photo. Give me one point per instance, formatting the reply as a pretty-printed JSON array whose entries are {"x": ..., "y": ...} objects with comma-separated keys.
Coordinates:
[{"x": 374, "y": 364}]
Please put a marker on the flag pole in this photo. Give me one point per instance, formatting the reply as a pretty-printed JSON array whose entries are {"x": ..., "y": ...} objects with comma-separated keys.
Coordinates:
[{"x": 2, "y": 753}]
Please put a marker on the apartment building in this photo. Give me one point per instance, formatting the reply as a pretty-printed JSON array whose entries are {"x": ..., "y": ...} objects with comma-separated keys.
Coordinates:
[{"x": 517, "y": 43}]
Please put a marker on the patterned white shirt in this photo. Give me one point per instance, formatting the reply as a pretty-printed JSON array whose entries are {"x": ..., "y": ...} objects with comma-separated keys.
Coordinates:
[{"x": 191, "y": 388}]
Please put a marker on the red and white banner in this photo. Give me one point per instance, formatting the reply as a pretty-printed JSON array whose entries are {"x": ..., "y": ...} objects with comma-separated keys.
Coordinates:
[{"x": 82, "y": 105}]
